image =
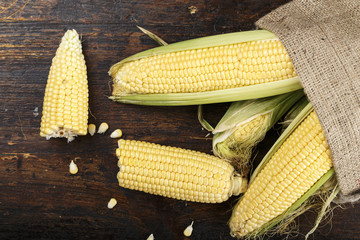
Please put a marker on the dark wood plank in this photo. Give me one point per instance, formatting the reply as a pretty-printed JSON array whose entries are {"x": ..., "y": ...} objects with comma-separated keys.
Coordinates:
[{"x": 39, "y": 199}]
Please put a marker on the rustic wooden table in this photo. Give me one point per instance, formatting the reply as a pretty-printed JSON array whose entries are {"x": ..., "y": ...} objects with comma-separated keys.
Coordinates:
[{"x": 39, "y": 199}]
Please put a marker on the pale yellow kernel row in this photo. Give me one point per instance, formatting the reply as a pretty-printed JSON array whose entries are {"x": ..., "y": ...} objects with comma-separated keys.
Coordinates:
[{"x": 144, "y": 147}]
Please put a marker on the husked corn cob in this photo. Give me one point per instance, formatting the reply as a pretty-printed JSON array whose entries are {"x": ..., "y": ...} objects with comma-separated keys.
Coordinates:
[
  {"x": 65, "y": 108},
  {"x": 176, "y": 173},
  {"x": 223, "y": 62},
  {"x": 296, "y": 166},
  {"x": 212, "y": 68}
]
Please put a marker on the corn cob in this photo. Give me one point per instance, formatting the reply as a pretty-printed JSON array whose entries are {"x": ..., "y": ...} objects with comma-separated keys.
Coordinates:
[
  {"x": 245, "y": 124},
  {"x": 176, "y": 173},
  {"x": 65, "y": 108},
  {"x": 228, "y": 67},
  {"x": 285, "y": 180}
]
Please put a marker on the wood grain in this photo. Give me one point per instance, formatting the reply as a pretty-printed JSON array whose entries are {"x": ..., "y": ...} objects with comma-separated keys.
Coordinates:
[{"x": 39, "y": 199}]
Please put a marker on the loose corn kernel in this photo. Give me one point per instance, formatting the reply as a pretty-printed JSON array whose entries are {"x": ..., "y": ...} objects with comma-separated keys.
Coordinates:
[
  {"x": 188, "y": 230},
  {"x": 176, "y": 173},
  {"x": 150, "y": 237},
  {"x": 112, "y": 203},
  {"x": 103, "y": 127},
  {"x": 65, "y": 108},
  {"x": 284, "y": 179},
  {"x": 92, "y": 129},
  {"x": 73, "y": 169},
  {"x": 116, "y": 134}
]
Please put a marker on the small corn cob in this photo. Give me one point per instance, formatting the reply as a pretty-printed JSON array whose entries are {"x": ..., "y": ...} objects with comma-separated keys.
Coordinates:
[
  {"x": 176, "y": 173},
  {"x": 236, "y": 145},
  {"x": 298, "y": 164},
  {"x": 65, "y": 109},
  {"x": 227, "y": 62},
  {"x": 245, "y": 124}
]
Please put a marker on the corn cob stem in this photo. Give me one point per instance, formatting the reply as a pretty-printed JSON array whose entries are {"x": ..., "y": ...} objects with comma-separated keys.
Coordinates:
[{"x": 176, "y": 173}]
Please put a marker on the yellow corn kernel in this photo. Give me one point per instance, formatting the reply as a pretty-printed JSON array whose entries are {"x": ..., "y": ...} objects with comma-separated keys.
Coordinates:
[
  {"x": 116, "y": 134},
  {"x": 92, "y": 129},
  {"x": 65, "y": 108},
  {"x": 103, "y": 127},
  {"x": 284, "y": 179},
  {"x": 73, "y": 169},
  {"x": 112, "y": 203},
  {"x": 188, "y": 230},
  {"x": 255, "y": 62},
  {"x": 176, "y": 173},
  {"x": 150, "y": 237}
]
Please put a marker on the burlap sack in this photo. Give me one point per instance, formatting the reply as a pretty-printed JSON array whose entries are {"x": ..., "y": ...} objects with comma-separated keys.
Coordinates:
[{"x": 322, "y": 38}]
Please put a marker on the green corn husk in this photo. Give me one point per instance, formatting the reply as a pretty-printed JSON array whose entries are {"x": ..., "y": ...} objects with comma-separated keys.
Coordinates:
[
  {"x": 294, "y": 111},
  {"x": 207, "y": 97},
  {"x": 245, "y": 124},
  {"x": 320, "y": 195}
]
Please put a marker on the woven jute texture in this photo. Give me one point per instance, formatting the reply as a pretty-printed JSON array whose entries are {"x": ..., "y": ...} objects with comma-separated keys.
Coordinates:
[{"x": 322, "y": 38}]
